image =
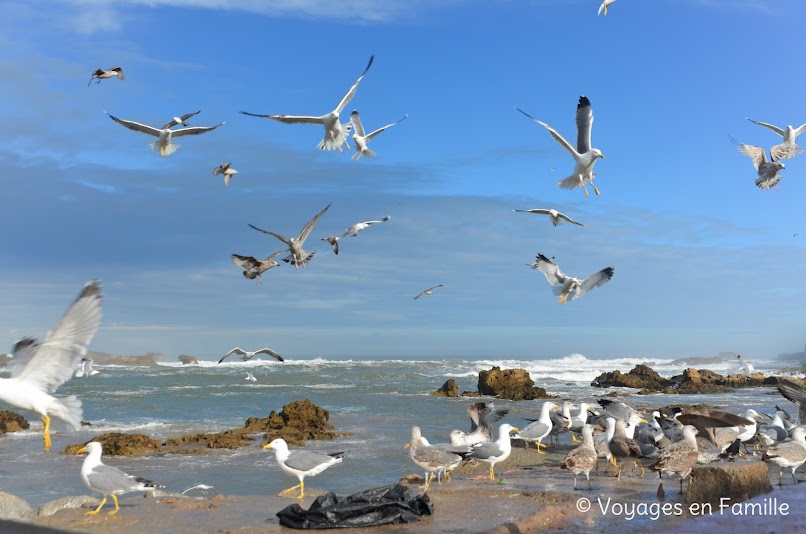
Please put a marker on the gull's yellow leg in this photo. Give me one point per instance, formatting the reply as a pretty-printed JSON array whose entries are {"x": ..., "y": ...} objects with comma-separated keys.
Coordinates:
[
  {"x": 46, "y": 432},
  {"x": 613, "y": 461},
  {"x": 492, "y": 473},
  {"x": 289, "y": 490},
  {"x": 596, "y": 189},
  {"x": 103, "y": 502},
  {"x": 574, "y": 438},
  {"x": 301, "y": 490},
  {"x": 117, "y": 506}
]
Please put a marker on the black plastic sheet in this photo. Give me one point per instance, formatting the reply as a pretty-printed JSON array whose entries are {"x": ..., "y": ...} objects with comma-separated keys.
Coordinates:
[{"x": 378, "y": 506}]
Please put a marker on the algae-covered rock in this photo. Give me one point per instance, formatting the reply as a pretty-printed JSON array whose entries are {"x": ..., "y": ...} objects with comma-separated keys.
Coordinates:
[
  {"x": 12, "y": 422},
  {"x": 119, "y": 444},
  {"x": 511, "y": 384},
  {"x": 448, "y": 389}
]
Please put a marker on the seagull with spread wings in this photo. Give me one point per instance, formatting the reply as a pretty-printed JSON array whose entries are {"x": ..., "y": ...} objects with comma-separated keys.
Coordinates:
[
  {"x": 297, "y": 256},
  {"x": 428, "y": 291},
  {"x": 334, "y": 242},
  {"x": 101, "y": 74},
  {"x": 164, "y": 145},
  {"x": 246, "y": 355},
  {"x": 567, "y": 287},
  {"x": 227, "y": 170},
  {"x": 357, "y": 227},
  {"x": 183, "y": 120},
  {"x": 584, "y": 155},
  {"x": 787, "y": 149},
  {"x": 769, "y": 172},
  {"x": 253, "y": 267},
  {"x": 556, "y": 217},
  {"x": 335, "y": 131},
  {"x": 361, "y": 139}
]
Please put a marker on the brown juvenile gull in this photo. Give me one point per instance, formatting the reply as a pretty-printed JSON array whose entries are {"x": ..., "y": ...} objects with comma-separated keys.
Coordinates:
[
  {"x": 482, "y": 416},
  {"x": 246, "y": 355},
  {"x": 428, "y": 291},
  {"x": 108, "y": 480},
  {"x": 679, "y": 457},
  {"x": 794, "y": 393},
  {"x": 431, "y": 458},
  {"x": 787, "y": 149},
  {"x": 706, "y": 420},
  {"x": 335, "y": 132},
  {"x": 790, "y": 454},
  {"x": 567, "y": 287},
  {"x": 334, "y": 242},
  {"x": 298, "y": 256},
  {"x": 164, "y": 146},
  {"x": 622, "y": 448},
  {"x": 540, "y": 429},
  {"x": 361, "y": 139},
  {"x": 183, "y": 120},
  {"x": 253, "y": 267},
  {"x": 583, "y": 458},
  {"x": 227, "y": 171},
  {"x": 357, "y": 227},
  {"x": 38, "y": 370},
  {"x": 301, "y": 463},
  {"x": 601, "y": 443},
  {"x": 494, "y": 451},
  {"x": 101, "y": 74},
  {"x": 584, "y": 156},
  {"x": 556, "y": 217},
  {"x": 769, "y": 172}
]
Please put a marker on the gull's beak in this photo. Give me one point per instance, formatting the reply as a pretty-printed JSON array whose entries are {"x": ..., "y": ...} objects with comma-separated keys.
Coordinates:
[
  {"x": 556, "y": 406},
  {"x": 82, "y": 450},
  {"x": 267, "y": 446},
  {"x": 602, "y": 156},
  {"x": 758, "y": 416},
  {"x": 515, "y": 429},
  {"x": 407, "y": 446}
]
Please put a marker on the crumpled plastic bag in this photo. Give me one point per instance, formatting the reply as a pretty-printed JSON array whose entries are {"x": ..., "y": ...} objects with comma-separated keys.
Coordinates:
[{"x": 378, "y": 506}]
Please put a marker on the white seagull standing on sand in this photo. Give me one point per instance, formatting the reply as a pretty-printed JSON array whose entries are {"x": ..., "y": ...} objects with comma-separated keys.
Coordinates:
[
  {"x": 227, "y": 171},
  {"x": 37, "y": 370},
  {"x": 787, "y": 149},
  {"x": 335, "y": 132},
  {"x": 428, "y": 291},
  {"x": 567, "y": 287},
  {"x": 108, "y": 480},
  {"x": 85, "y": 369},
  {"x": 748, "y": 369},
  {"x": 298, "y": 256},
  {"x": 101, "y": 74},
  {"x": 494, "y": 451},
  {"x": 604, "y": 7},
  {"x": 556, "y": 217},
  {"x": 246, "y": 355},
  {"x": 164, "y": 146},
  {"x": 253, "y": 267},
  {"x": 301, "y": 463},
  {"x": 768, "y": 171},
  {"x": 357, "y": 227},
  {"x": 584, "y": 156},
  {"x": 361, "y": 139}
]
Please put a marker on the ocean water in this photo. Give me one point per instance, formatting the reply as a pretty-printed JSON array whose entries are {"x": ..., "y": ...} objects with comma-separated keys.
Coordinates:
[{"x": 377, "y": 401}]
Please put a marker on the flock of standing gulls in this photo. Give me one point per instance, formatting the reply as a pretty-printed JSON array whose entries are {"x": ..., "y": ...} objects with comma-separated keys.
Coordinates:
[{"x": 667, "y": 443}]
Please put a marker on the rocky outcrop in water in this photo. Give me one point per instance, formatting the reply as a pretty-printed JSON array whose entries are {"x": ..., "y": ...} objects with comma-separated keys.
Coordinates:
[
  {"x": 146, "y": 360},
  {"x": 448, "y": 389},
  {"x": 511, "y": 384},
  {"x": 186, "y": 359},
  {"x": 12, "y": 422},
  {"x": 119, "y": 444},
  {"x": 640, "y": 377}
]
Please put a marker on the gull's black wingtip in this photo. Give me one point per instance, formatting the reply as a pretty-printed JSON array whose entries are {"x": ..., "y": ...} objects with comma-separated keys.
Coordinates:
[{"x": 583, "y": 101}]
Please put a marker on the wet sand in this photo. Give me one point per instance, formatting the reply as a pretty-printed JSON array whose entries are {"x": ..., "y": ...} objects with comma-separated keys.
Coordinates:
[{"x": 532, "y": 494}]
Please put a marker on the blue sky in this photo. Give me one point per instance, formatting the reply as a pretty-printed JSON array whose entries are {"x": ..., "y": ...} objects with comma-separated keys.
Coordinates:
[{"x": 704, "y": 261}]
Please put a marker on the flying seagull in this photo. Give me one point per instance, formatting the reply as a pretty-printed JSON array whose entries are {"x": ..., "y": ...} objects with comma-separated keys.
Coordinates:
[
  {"x": 357, "y": 227},
  {"x": 101, "y": 74},
  {"x": 301, "y": 463},
  {"x": 787, "y": 149},
  {"x": 250, "y": 377},
  {"x": 748, "y": 369},
  {"x": 335, "y": 132},
  {"x": 297, "y": 256},
  {"x": 584, "y": 156},
  {"x": 482, "y": 416},
  {"x": 108, "y": 480},
  {"x": 37, "y": 370},
  {"x": 183, "y": 120},
  {"x": 246, "y": 355},
  {"x": 795, "y": 393},
  {"x": 604, "y": 7},
  {"x": 768, "y": 171},
  {"x": 334, "y": 242},
  {"x": 568, "y": 287},
  {"x": 203, "y": 489},
  {"x": 361, "y": 139},
  {"x": 85, "y": 369},
  {"x": 253, "y": 267},
  {"x": 557, "y": 218},
  {"x": 227, "y": 171},
  {"x": 427, "y": 291},
  {"x": 164, "y": 145}
]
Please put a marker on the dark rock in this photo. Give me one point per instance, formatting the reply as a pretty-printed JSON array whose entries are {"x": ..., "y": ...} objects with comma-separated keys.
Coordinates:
[
  {"x": 640, "y": 377},
  {"x": 511, "y": 384},
  {"x": 297, "y": 422},
  {"x": 471, "y": 394},
  {"x": 448, "y": 389},
  {"x": 119, "y": 444},
  {"x": 12, "y": 422},
  {"x": 188, "y": 360},
  {"x": 230, "y": 439},
  {"x": 736, "y": 481}
]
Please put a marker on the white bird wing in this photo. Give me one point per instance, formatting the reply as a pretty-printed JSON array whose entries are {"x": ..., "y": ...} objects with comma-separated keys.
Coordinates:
[
  {"x": 379, "y": 130},
  {"x": 427, "y": 290},
  {"x": 236, "y": 350},
  {"x": 245, "y": 262},
  {"x": 307, "y": 460},
  {"x": 271, "y": 353},
  {"x": 136, "y": 126},
  {"x": 303, "y": 235},
  {"x": 355, "y": 120},
  {"x": 351, "y": 93},
  {"x": 291, "y": 119},
  {"x": 774, "y": 128},
  {"x": 553, "y": 273},
  {"x": 111, "y": 479},
  {"x": 799, "y": 130},
  {"x": 537, "y": 211},
  {"x": 57, "y": 357},
  {"x": 567, "y": 218},
  {"x": 584, "y": 120},
  {"x": 194, "y": 130},
  {"x": 757, "y": 154},
  {"x": 593, "y": 281},
  {"x": 23, "y": 351},
  {"x": 555, "y": 134}
]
